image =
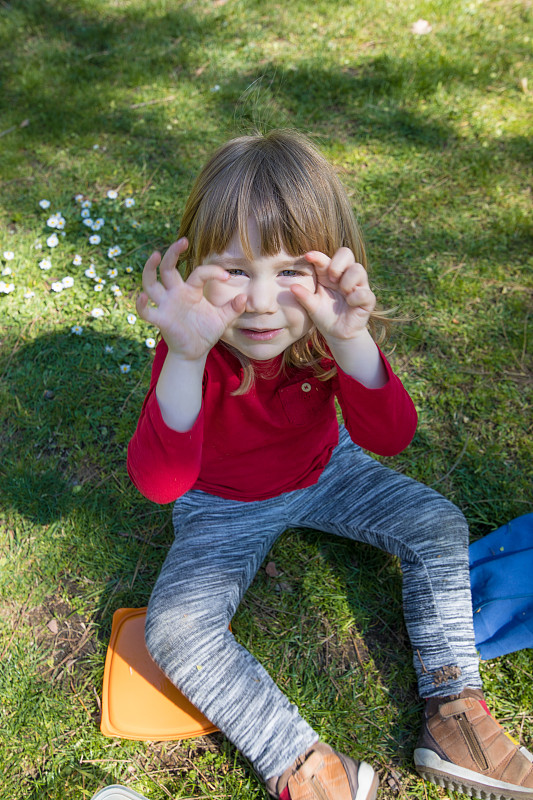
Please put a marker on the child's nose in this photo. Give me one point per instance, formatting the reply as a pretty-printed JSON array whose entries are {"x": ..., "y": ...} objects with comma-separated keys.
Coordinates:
[{"x": 261, "y": 297}]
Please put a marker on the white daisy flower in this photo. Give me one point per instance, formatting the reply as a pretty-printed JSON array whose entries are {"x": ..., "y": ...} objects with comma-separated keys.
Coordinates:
[
  {"x": 98, "y": 223},
  {"x": 98, "y": 287},
  {"x": 57, "y": 286},
  {"x": 112, "y": 273},
  {"x": 77, "y": 260},
  {"x": 420, "y": 27},
  {"x": 91, "y": 272},
  {"x": 6, "y": 271},
  {"x": 117, "y": 292},
  {"x": 44, "y": 203},
  {"x": 6, "y": 288},
  {"x": 78, "y": 198},
  {"x": 113, "y": 252},
  {"x": 38, "y": 246},
  {"x": 85, "y": 212},
  {"x": 135, "y": 224},
  {"x": 101, "y": 281},
  {"x": 125, "y": 368},
  {"x": 45, "y": 263},
  {"x": 67, "y": 282},
  {"x": 77, "y": 329},
  {"x": 129, "y": 202},
  {"x": 132, "y": 319},
  {"x": 112, "y": 194},
  {"x": 28, "y": 294},
  {"x": 86, "y": 204},
  {"x": 52, "y": 241},
  {"x": 149, "y": 342},
  {"x": 109, "y": 348},
  {"x": 56, "y": 221},
  {"x": 97, "y": 312},
  {"x": 88, "y": 221},
  {"x": 94, "y": 239},
  {"x": 129, "y": 269},
  {"x": 9, "y": 255}
]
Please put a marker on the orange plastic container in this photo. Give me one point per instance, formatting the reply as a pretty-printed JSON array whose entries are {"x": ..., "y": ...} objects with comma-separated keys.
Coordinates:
[{"x": 138, "y": 700}]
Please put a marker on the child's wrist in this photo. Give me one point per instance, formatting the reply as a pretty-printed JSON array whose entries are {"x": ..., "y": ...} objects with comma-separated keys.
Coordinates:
[
  {"x": 360, "y": 338},
  {"x": 178, "y": 356},
  {"x": 359, "y": 357}
]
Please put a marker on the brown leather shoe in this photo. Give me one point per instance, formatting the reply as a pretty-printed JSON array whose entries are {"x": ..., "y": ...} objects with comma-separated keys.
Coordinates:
[
  {"x": 323, "y": 774},
  {"x": 462, "y": 748}
]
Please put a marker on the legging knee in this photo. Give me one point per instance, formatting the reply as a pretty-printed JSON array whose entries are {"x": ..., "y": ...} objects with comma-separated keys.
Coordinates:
[
  {"x": 443, "y": 524},
  {"x": 176, "y": 638}
]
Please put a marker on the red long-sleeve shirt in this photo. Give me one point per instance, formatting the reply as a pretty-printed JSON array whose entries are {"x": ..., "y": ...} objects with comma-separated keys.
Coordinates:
[{"x": 276, "y": 438}]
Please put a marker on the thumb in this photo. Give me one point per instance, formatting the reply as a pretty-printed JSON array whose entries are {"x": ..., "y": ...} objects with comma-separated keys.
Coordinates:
[
  {"x": 233, "y": 308},
  {"x": 309, "y": 300}
]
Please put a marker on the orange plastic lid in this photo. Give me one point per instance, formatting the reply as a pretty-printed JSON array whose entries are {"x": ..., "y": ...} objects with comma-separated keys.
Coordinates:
[{"x": 138, "y": 700}]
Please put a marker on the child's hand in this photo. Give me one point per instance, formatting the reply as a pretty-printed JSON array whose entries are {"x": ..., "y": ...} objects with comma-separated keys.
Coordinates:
[
  {"x": 343, "y": 300},
  {"x": 189, "y": 323}
]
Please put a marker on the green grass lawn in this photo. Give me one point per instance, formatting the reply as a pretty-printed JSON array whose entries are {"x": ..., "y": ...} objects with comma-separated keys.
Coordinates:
[{"x": 429, "y": 133}]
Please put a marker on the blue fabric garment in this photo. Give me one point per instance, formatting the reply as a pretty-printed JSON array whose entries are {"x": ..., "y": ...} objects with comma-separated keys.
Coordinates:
[{"x": 501, "y": 576}]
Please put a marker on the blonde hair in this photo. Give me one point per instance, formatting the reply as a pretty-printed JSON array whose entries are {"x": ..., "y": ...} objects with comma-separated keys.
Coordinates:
[{"x": 298, "y": 203}]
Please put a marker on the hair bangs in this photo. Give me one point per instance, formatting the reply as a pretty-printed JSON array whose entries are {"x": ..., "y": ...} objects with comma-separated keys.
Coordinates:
[
  {"x": 288, "y": 187},
  {"x": 298, "y": 203}
]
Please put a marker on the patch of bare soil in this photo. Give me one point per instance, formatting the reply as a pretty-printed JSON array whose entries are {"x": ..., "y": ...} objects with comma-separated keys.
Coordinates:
[{"x": 63, "y": 636}]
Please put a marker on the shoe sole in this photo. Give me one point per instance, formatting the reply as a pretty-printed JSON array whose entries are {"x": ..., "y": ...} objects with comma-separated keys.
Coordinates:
[
  {"x": 458, "y": 779},
  {"x": 367, "y": 781}
]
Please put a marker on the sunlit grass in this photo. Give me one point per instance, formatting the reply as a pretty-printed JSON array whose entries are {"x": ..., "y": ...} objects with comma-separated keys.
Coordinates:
[{"x": 430, "y": 135}]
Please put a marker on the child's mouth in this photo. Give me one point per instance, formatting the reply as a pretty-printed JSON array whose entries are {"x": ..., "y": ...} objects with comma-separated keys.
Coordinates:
[{"x": 260, "y": 335}]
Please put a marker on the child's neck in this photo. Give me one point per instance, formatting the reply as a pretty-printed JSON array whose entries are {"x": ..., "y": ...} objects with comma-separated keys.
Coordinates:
[{"x": 269, "y": 368}]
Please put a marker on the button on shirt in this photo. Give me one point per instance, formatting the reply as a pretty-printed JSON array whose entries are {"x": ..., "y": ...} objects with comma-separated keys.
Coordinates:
[{"x": 276, "y": 438}]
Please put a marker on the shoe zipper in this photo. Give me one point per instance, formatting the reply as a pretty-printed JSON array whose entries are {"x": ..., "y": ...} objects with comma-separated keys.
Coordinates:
[{"x": 473, "y": 742}]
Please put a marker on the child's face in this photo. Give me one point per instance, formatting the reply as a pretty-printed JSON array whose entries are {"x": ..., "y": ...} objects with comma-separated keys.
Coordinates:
[{"x": 272, "y": 319}]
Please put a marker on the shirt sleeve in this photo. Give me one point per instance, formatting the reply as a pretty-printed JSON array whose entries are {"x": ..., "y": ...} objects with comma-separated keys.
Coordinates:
[
  {"x": 163, "y": 463},
  {"x": 380, "y": 420}
]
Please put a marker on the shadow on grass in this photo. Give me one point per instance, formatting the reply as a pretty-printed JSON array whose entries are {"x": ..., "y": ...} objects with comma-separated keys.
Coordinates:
[
  {"x": 86, "y": 533},
  {"x": 68, "y": 414},
  {"x": 84, "y": 73}
]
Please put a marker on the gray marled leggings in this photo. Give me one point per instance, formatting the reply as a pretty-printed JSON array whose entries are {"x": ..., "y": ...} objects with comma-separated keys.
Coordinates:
[{"x": 220, "y": 545}]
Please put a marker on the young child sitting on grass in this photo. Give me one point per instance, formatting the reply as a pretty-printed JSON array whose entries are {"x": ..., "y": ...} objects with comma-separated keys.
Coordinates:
[{"x": 274, "y": 319}]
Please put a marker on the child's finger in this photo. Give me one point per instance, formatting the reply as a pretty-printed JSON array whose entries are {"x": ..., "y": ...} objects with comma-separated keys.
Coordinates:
[
  {"x": 170, "y": 276},
  {"x": 319, "y": 260},
  {"x": 144, "y": 310},
  {"x": 356, "y": 275},
  {"x": 309, "y": 300},
  {"x": 237, "y": 304},
  {"x": 153, "y": 290},
  {"x": 232, "y": 309},
  {"x": 207, "y": 272},
  {"x": 331, "y": 269},
  {"x": 341, "y": 261},
  {"x": 362, "y": 297}
]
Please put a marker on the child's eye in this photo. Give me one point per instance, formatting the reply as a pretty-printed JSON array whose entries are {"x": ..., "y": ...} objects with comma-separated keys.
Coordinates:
[
  {"x": 290, "y": 273},
  {"x": 236, "y": 271}
]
